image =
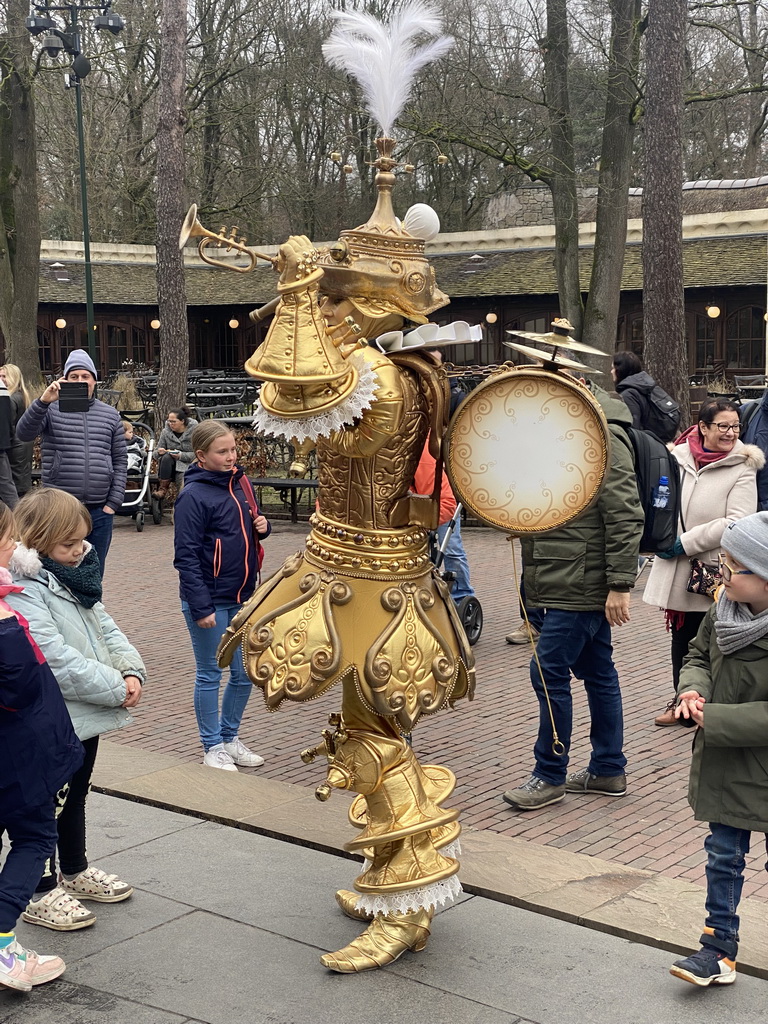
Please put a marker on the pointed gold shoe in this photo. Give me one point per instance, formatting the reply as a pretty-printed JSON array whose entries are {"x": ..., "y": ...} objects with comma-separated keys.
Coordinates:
[
  {"x": 347, "y": 900},
  {"x": 383, "y": 941}
]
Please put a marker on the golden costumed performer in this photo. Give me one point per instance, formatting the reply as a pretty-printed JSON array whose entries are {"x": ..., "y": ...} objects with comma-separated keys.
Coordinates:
[{"x": 361, "y": 605}]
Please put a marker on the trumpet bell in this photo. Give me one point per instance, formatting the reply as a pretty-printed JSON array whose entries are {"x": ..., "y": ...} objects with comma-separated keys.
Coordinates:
[{"x": 191, "y": 226}]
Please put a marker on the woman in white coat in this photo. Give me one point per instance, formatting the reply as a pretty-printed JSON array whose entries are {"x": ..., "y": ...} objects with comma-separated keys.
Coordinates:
[{"x": 718, "y": 486}]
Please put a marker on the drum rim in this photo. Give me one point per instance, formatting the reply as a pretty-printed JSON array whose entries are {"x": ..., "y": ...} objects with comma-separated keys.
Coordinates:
[{"x": 538, "y": 372}]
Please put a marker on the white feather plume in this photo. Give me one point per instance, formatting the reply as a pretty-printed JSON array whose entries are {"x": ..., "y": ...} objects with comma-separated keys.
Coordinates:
[{"x": 386, "y": 58}]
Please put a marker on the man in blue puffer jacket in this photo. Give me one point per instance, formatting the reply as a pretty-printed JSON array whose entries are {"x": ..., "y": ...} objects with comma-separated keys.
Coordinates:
[{"x": 84, "y": 453}]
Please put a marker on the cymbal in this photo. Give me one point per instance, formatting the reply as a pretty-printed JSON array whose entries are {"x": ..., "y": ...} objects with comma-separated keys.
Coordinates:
[
  {"x": 545, "y": 357},
  {"x": 558, "y": 341}
]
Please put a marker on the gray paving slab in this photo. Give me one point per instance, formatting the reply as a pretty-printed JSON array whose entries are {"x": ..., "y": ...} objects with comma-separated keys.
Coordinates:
[
  {"x": 115, "y": 825},
  {"x": 224, "y": 971},
  {"x": 552, "y": 971},
  {"x": 61, "y": 1002},
  {"x": 227, "y": 926}
]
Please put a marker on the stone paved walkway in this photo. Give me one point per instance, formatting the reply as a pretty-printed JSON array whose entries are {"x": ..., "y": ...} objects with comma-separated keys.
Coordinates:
[{"x": 488, "y": 743}]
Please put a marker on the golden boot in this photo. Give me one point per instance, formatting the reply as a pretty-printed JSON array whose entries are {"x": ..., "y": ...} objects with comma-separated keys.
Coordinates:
[{"x": 384, "y": 940}]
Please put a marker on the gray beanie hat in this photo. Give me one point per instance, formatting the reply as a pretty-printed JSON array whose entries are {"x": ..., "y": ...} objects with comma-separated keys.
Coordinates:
[
  {"x": 747, "y": 540},
  {"x": 78, "y": 359}
]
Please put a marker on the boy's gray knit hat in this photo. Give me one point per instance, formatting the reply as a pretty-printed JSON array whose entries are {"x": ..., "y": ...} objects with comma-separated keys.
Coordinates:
[{"x": 747, "y": 541}]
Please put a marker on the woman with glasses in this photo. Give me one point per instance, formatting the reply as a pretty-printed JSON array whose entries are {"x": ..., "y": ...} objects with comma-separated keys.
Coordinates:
[{"x": 717, "y": 476}]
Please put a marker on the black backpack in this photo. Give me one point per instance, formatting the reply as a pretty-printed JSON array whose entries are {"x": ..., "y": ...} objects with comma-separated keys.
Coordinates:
[
  {"x": 662, "y": 415},
  {"x": 653, "y": 460}
]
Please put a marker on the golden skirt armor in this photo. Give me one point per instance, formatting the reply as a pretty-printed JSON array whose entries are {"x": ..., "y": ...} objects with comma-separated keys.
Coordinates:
[{"x": 362, "y": 606}]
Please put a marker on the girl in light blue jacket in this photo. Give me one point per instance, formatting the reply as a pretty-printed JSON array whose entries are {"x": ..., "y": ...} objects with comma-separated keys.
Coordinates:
[{"x": 99, "y": 672}]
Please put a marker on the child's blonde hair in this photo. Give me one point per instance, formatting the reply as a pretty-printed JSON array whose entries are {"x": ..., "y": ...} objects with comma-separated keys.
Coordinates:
[
  {"x": 7, "y": 525},
  {"x": 46, "y": 517},
  {"x": 205, "y": 433}
]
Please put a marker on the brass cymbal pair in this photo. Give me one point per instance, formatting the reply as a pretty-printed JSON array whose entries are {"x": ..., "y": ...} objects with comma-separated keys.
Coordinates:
[{"x": 558, "y": 338}]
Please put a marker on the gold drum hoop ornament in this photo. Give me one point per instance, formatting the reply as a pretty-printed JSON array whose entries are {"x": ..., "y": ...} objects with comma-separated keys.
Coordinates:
[{"x": 528, "y": 450}]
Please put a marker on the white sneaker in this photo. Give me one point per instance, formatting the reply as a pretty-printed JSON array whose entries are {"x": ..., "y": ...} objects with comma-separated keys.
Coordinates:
[
  {"x": 60, "y": 911},
  {"x": 217, "y": 757},
  {"x": 95, "y": 884},
  {"x": 241, "y": 755}
]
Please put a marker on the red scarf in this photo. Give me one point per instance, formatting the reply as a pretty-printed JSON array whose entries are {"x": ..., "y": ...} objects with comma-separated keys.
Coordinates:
[{"x": 702, "y": 456}]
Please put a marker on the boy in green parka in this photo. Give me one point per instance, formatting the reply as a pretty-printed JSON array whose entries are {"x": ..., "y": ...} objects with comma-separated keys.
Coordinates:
[{"x": 724, "y": 690}]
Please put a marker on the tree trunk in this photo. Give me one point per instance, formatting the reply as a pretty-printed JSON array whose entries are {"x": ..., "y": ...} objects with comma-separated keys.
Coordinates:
[
  {"x": 664, "y": 333},
  {"x": 171, "y": 293},
  {"x": 615, "y": 174},
  {"x": 562, "y": 183},
  {"x": 19, "y": 217}
]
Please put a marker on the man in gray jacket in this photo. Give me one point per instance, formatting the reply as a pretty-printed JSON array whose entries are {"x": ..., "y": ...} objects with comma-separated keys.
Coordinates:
[
  {"x": 84, "y": 453},
  {"x": 582, "y": 575}
]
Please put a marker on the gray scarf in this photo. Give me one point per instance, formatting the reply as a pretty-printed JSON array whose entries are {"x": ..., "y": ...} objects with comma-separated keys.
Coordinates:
[{"x": 736, "y": 626}]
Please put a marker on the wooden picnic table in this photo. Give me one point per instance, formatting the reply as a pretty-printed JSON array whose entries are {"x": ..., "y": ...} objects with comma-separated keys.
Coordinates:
[{"x": 291, "y": 484}]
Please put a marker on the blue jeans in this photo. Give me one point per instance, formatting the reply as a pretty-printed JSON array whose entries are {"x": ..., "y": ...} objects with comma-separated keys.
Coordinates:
[
  {"x": 214, "y": 727},
  {"x": 455, "y": 561},
  {"x": 726, "y": 849},
  {"x": 101, "y": 534},
  {"x": 32, "y": 831},
  {"x": 578, "y": 642}
]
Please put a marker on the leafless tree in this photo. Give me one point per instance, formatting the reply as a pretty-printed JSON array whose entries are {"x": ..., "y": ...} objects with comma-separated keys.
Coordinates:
[
  {"x": 663, "y": 297},
  {"x": 171, "y": 294},
  {"x": 19, "y": 218}
]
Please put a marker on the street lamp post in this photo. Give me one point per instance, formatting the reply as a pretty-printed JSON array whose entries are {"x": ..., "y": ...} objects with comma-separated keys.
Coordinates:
[{"x": 66, "y": 39}]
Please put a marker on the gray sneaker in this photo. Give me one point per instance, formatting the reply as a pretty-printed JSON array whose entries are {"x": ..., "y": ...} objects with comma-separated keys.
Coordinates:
[
  {"x": 606, "y": 785},
  {"x": 533, "y": 794},
  {"x": 521, "y": 635}
]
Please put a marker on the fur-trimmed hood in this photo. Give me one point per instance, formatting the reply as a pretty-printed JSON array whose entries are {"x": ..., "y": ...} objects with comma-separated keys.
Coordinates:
[{"x": 25, "y": 562}]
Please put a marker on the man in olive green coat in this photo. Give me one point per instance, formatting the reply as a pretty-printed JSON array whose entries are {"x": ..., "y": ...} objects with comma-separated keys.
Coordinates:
[{"x": 582, "y": 575}]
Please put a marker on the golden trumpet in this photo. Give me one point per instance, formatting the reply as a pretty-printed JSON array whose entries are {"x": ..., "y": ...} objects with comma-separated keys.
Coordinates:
[{"x": 192, "y": 228}]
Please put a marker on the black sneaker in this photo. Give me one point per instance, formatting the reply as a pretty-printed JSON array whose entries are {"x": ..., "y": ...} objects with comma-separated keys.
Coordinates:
[
  {"x": 606, "y": 785},
  {"x": 533, "y": 794},
  {"x": 707, "y": 967}
]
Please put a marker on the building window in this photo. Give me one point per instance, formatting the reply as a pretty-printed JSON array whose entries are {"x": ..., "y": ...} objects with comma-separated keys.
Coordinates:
[
  {"x": 117, "y": 346},
  {"x": 745, "y": 338},
  {"x": 705, "y": 343},
  {"x": 636, "y": 337}
]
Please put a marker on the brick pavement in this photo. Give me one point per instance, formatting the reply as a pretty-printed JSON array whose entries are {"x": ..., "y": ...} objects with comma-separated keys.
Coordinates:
[{"x": 488, "y": 742}]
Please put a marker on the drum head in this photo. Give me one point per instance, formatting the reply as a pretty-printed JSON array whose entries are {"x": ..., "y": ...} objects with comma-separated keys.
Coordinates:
[{"x": 528, "y": 450}]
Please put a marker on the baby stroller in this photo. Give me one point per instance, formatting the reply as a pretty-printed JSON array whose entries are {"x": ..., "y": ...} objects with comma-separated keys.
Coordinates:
[
  {"x": 136, "y": 500},
  {"x": 469, "y": 609}
]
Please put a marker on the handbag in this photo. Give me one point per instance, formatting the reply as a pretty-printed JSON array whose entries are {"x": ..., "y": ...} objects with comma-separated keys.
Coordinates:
[{"x": 704, "y": 578}]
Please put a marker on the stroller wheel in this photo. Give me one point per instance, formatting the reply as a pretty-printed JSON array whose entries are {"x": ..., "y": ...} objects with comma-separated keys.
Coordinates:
[
  {"x": 157, "y": 511},
  {"x": 471, "y": 614},
  {"x": 139, "y": 522}
]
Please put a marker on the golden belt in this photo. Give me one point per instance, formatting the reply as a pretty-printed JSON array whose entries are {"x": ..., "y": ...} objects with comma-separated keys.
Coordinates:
[{"x": 399, "y": 554}]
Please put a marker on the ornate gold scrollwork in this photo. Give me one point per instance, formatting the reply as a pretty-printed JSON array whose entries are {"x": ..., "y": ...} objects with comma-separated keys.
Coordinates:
[
  {"x": 294, "y": 651},
  {"x": 410, "y": 669}
]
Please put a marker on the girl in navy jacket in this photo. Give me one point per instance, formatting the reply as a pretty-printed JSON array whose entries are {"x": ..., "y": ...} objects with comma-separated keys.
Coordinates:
[
  {"x": 40, "y": 753},
  {"x": 218, "y": 533}
]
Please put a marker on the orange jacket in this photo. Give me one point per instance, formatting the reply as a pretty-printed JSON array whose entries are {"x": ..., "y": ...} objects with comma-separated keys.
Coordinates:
[{"x": 424, "y": 483}]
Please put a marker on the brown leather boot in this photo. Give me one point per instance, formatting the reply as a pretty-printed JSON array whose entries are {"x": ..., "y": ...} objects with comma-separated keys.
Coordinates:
[
  {"x": 667, "y": 717},
  {"x": 161, "y": 490}
]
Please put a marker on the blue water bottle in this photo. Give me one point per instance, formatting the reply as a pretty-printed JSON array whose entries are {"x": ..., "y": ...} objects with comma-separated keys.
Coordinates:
[{"x": 661, "y": 495}]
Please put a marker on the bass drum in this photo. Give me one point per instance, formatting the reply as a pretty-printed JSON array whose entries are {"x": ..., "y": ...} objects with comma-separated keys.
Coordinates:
[{"x": 527, "y": 450}]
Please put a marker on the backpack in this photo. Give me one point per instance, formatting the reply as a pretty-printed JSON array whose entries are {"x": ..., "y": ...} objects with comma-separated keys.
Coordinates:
[
  {"x": 653, "y": 460},
  {"x": 662, "y": 415},
  {"x": 747, "y": 412}
]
